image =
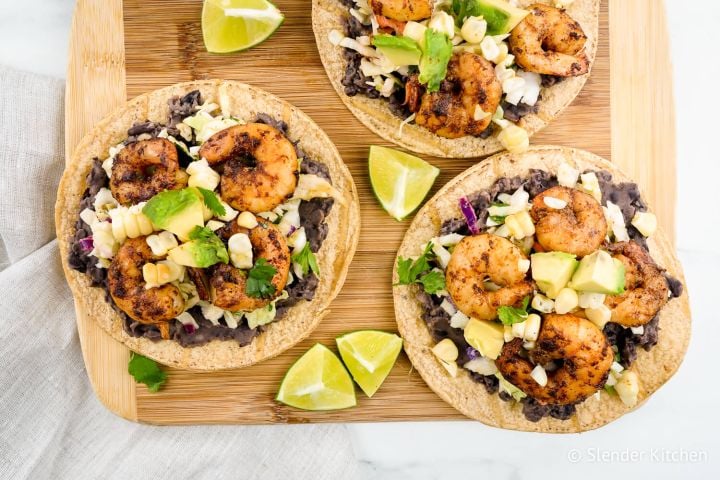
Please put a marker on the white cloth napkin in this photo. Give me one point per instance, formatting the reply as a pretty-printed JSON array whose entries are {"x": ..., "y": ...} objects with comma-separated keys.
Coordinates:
[{"x": 51, "y": 424}]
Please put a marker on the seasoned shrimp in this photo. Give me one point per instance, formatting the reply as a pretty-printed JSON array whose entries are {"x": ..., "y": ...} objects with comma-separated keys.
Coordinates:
[
  {"x": 145, "y": 168},
  {"x": 578, "y": 228},
  {"x": 550, "y": 42},
  {"x": 227, "y": 283},
  {"x": 578, "y": 343},
  {"x": 477, "y": 259},
  {"x": 451, "y": 112},
  {"x": 157, "y": 305},
  {"x": 646, "y": 290},
  {"x": 402, "y": 10},
  {"x": 258, "y": 166}
]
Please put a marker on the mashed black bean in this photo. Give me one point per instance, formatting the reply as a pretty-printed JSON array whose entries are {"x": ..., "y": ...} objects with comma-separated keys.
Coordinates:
[
  {"x": 627, "y": 196},
  {"x": 312, "y": 216}
]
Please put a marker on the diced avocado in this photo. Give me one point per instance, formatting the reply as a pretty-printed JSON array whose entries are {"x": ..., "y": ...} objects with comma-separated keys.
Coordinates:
[
  {"x": 183, "y": 255},
  {"x": 552, "y": 271},
  {"x": 485, "y": 337},
  {"x": 399, "y": 50},
  {"x": 599, "y": 273},
  {"x": 434, "y": 60},
  {"x": 204, "y": 249},
  {"x": 501, "y": 17},
  {"x": 177, "y": 211}
]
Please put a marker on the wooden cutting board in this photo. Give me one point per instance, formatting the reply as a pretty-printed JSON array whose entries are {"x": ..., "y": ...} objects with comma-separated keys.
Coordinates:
[{"x": 121, "y": 49}]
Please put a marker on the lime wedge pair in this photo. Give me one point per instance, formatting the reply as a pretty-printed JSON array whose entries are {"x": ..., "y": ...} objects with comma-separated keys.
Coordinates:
[
  {"x": 232, "y": 25},
  {"x": 318, "y": 380},
  {"x": 400, "y": 181}
]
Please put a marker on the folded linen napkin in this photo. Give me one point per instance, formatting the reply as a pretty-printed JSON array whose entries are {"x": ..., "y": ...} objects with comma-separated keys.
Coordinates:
[{"x": 51, "y": 423}]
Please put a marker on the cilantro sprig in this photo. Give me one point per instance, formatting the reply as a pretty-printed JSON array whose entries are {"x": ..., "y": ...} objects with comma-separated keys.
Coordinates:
[
  {"x": 212, "y": 202},
  {"x": 510, "y": 315},
  {"x": 306, "y": 259},
  {"x": 147, "y": 371},
  {"x": 419, "y": 271},
  {"x": 259, "y": 282}
]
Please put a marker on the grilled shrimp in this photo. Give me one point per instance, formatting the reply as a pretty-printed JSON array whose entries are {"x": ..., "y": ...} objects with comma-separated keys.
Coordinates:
[
  {"x": 228, "y": 283},
  {"x": 578, "y": 343},
  {"x": 258, "y": 166},
  {"x": 145, "y": 168},
  {"x": 402, "y": 10},
  {"x": 550, "y": 42},
  {"x": 451, "y": 112},
  {"x": 479, "y": 258},
  {"x": 157, "y": 305},
  {"x": 646, "y": 290},
  {"x": 578, "y": 228}
]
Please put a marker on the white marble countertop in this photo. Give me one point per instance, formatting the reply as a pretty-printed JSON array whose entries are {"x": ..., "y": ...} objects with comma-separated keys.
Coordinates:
[{"x": 675, "y": 433}]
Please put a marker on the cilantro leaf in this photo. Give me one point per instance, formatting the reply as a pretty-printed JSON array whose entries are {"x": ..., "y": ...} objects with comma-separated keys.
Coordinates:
[
  {"x": 259, "y": 282},
  {"x": 433, "y": 282},
  {"x": 510, "y": 315},
  {"x": 497, "y": 218},
  {"x": 212, "y": 202},
  {"x": 146, "y": 371},
  {"x": 306, "y": 259},
  {"x": 419, "y": 271},
  {"x": 206, "y": 248}
]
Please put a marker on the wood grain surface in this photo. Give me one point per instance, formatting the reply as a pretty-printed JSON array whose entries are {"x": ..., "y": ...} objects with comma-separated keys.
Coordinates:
[{"x": 625, "y": 113}]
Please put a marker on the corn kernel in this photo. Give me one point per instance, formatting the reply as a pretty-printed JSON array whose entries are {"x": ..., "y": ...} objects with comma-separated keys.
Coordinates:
[
  {"x": 599, "y": 316},
  {"x": 240, "y": 250},
  {"x": 591, "y": 300},
  {"x": 566, "y": 301},
  {"x": 524, "y": 265},
  {"x": 514, "y": 139},
  {"x": 591, "y": 185},
  {"x": 543, "y": 304},
  {"x": 132, "y": 229},
  {"x": 163, "y": 273},
  {"x": 150, "y": 274},
  {"x": 489, "y": 49},
  {"x": 451, "y": 367},
  {"x": 645, "y": 222},
  {"x": 507, "y": 333},
  {"x": 247, "y": 220},
  {"x": 518, "y": 329},
  {"x": 443, "y": 23},
  {"x": 474, "y": 29},
  {"x": 416, "y": 31},
  {"x": 532, "y": 327},
  {"x": 446, "y": 350}
]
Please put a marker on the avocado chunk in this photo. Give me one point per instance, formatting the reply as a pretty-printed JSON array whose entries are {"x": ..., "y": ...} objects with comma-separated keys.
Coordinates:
[
  {"x": 501, "y": 17},
  {"x": 177, "y": 211},
  {"x": 599, "y": 273},
  {"x": 485, "y": 337},
  {"x": 552, "y": 271},
  {"x": 203, "y": 250},
  {"x": 399, "y": 50}
]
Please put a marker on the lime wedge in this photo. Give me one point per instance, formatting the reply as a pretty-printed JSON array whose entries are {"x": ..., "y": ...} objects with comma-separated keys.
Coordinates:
[
  {"x": 232, "y": 25},
  {"x": 400, "y": 181},
  {"x": 317, "y": 381},
  {"x": 369, "y": 355}
]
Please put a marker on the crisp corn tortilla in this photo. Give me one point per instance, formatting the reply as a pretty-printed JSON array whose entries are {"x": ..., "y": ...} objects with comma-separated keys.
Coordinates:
[
  {"x": 245, "y": 102},
  {"x": 329, "y": 15},
  {"x": 654, "y": 368}
]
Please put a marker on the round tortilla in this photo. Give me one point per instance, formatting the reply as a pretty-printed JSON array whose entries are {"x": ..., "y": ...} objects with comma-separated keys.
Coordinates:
[
  {"x": 654, "y": 368},
  {"x": 245, "y": 102},
  {"x": 328, "y": 15}
]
